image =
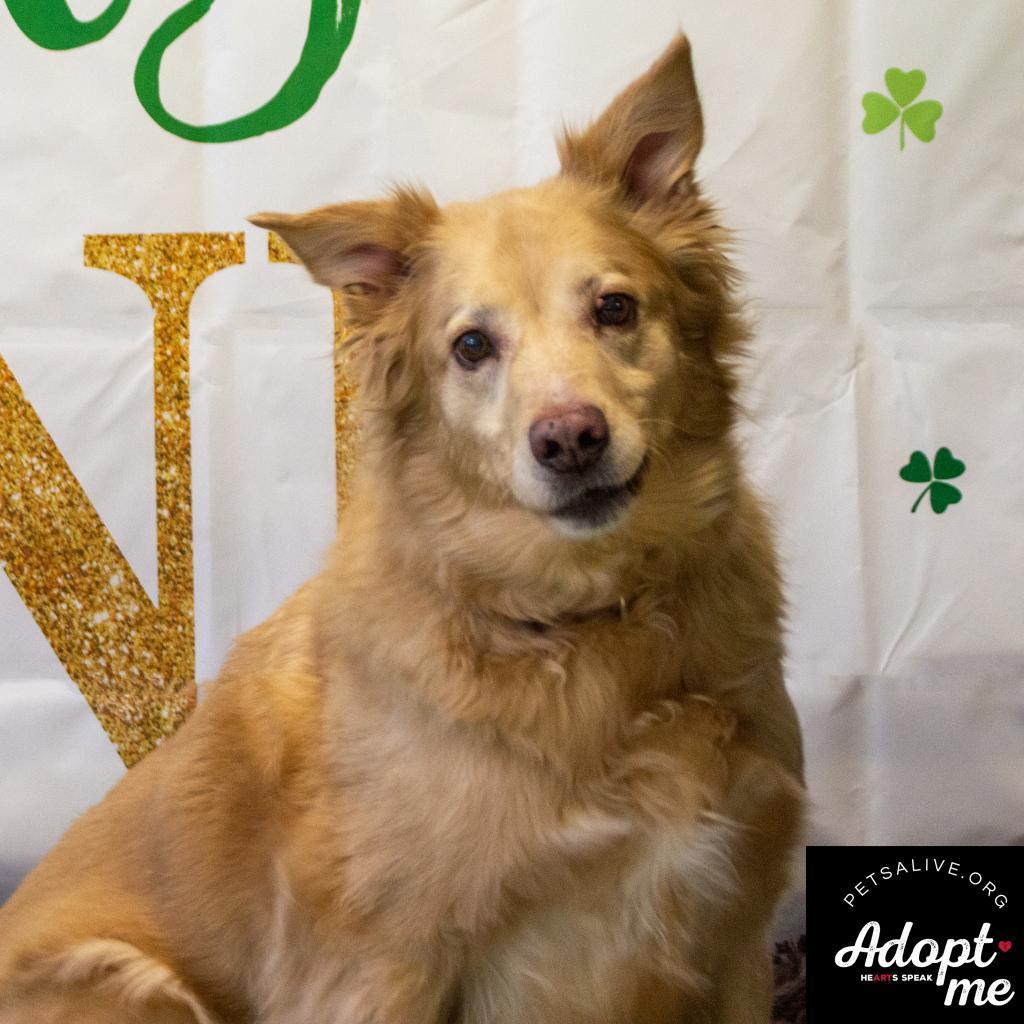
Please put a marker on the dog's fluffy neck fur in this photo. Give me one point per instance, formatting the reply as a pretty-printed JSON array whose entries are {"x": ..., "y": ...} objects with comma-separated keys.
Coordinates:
[{"x": 470, "y": 595}]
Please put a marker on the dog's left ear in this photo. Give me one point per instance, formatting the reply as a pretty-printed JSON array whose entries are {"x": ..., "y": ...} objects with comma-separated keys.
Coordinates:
[{"x": 646, "y": 142}]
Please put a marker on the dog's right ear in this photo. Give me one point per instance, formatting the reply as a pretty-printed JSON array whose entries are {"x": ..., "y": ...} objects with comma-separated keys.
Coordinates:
[{"x": 363, "y": 249}]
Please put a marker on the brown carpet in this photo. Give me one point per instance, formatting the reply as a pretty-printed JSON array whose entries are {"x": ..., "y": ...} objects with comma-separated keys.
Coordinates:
[{"x": 790, "y": 982}]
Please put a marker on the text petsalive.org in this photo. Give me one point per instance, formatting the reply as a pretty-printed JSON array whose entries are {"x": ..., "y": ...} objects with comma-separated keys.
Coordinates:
[{"x": 914, "y": 865}]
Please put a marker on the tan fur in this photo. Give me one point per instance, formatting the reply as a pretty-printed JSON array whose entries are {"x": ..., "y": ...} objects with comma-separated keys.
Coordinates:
[{"x": 486, "y": 767}]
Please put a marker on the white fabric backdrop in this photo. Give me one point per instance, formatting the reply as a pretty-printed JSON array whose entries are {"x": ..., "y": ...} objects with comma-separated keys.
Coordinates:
[{"x": 887, "y": 284}]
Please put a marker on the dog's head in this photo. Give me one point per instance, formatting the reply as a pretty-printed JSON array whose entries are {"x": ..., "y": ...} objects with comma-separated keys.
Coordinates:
[{"x": 557, "y": 355}]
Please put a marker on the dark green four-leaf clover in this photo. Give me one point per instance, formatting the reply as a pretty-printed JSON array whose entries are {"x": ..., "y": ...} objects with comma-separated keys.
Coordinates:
[{"x": 919, "y": 471}]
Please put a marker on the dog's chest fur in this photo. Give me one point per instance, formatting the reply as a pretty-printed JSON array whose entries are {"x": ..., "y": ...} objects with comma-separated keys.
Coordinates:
[
  {"x": 458, "y": 818},
  {"x": 491, "y": 773}
]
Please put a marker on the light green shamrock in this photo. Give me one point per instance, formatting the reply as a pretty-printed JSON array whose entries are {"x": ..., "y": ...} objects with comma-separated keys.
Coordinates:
[{"x": 904, "y": 87}]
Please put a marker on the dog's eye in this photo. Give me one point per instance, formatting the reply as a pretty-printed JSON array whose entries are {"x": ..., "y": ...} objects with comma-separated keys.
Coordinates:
[
  {"x": 471, "y": 348},
  {"x": 615, "y": 310}
]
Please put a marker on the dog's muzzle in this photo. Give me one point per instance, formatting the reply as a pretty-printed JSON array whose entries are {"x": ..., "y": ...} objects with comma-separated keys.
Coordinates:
[{"x": 598, "y": 506}]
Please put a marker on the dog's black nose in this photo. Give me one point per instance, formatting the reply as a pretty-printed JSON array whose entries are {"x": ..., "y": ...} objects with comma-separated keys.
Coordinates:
[{"x": 570, "y": 438}]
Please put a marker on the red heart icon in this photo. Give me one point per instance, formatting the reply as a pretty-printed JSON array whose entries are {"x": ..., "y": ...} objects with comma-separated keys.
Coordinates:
[{"x": 1005, "y": 947}]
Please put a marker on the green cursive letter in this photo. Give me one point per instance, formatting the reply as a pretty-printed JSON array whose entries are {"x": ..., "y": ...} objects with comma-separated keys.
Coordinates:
[
  {"x": 331, "y": 24},
  {"x": 50, "y": 23}
]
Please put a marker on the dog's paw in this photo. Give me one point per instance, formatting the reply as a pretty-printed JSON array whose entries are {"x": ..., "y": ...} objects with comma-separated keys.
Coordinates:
[
  {"x": 677, "y": 760},
  {"x": 693, "y": 716}
]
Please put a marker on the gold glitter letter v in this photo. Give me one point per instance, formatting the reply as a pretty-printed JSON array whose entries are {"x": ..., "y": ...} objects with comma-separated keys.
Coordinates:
[{"x": 135, "y": 663}]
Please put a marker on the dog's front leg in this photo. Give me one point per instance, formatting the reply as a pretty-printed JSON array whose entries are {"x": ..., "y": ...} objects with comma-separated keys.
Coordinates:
[
  {"x": 616, "y": 941},
  {"x": 407, "y": 991},
  {"x": 766, "y": 800},
  {"x": 371, "y": 986},
  {"x": 714, "y": 888}
]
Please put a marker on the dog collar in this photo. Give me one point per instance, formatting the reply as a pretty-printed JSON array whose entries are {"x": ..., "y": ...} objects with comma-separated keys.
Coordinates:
[{"x": 617, "y": 610}]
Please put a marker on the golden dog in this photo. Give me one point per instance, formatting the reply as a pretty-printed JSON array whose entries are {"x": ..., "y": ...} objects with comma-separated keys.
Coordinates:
[{"x": 522, "y": 753}]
